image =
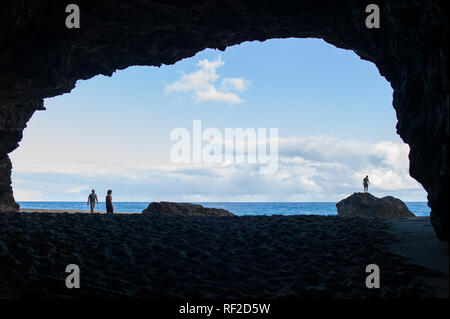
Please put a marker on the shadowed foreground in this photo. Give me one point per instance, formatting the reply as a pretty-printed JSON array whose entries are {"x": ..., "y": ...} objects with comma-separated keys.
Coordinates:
[{"x": 202, "y": 257}]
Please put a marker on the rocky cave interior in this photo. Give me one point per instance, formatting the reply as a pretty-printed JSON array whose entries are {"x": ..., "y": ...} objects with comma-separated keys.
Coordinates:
[{"x": 40, "y": 58}]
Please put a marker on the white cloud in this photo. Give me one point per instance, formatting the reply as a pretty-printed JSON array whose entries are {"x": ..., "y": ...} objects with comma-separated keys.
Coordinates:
[
  {"x": 76, "y": 190},
  {"x": 203, "y": 84},
  {"x": 346, "y": 161},
  {"x": 237, "y": 84},
  {"x": 22, "y": 194},
  {"x": 392, "y": 154}
]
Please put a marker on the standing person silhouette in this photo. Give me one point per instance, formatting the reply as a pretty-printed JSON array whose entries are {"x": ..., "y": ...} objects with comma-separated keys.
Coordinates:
[
  {"x": 92, "y": 199},
  {"x": 109, "y": 204},
  {"x": 366, "y": 183}
]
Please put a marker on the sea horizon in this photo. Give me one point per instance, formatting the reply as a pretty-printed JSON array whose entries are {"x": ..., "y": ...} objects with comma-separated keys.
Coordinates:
[{"x": 238, "y": 208}]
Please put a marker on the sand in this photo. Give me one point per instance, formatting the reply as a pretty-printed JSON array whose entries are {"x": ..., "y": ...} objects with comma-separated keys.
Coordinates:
[
  {"x": 417, "y": 242},
  {"x": 137, "y": 256}
]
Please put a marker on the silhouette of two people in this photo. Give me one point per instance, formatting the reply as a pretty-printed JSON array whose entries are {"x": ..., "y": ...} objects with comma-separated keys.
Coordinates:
[{"x": 93, "y": 200}]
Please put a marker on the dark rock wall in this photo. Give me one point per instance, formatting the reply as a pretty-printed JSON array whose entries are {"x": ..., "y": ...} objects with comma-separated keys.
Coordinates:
[{"x": 40, "y": 57}]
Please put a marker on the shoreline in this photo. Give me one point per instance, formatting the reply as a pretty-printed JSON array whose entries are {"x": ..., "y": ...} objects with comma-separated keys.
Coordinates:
[
  {"x": 237, "y": 208},
  {"x": 69, "y": 211}
]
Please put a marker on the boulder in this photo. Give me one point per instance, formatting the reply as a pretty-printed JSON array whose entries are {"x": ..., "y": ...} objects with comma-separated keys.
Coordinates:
[
  {"x": 183, "y": 209},
  {"x": 367, "y": 205}
]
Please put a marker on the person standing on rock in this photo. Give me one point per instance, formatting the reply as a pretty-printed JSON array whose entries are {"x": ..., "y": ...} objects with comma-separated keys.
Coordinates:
[
  {"x": 366, "y": 183},
  {"x": 109, "y": 204},
  {"x": 92, "y": 199}
]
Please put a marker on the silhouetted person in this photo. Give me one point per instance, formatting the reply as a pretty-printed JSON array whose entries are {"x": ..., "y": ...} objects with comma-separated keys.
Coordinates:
[
  {"x": 366, "y": 183},
  {"x": 92, "y": 199},
  {"x": 109, "y": 204}
]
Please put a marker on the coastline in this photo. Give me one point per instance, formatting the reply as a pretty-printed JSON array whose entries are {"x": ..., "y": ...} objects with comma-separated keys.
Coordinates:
[
  {"x": 238, "y": 208},
  {"x": 69, "y": 211}
]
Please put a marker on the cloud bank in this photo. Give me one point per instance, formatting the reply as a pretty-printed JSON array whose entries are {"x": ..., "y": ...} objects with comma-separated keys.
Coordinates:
[{"x": 317, "y": 168}]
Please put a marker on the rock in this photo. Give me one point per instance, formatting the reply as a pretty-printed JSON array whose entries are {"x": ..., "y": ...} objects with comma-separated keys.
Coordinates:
[
  {"x": 367, "y": 205},
  {"x": 183, "y": 209}
]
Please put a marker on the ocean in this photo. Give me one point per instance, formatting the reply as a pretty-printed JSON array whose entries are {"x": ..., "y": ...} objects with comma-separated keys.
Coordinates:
[{"x": 238, "y": 208}]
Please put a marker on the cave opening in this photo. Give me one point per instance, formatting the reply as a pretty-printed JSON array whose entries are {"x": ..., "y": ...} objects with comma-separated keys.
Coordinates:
[
  {"x": 154, "y": 34},
  {"x": 332, "y": 110}
]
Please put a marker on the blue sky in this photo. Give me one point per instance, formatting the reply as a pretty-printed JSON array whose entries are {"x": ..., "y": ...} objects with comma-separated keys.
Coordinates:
[{"x": 333, "y": 112}]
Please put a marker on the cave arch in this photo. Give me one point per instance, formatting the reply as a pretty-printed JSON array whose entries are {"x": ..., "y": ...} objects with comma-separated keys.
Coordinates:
[{"x": 40, "y": 58}]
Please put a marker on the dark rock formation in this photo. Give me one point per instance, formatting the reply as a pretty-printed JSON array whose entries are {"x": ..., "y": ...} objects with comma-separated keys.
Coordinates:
[
  {"x": 183, "y": 209},
  {"x": 367, "y": 205},
  {"x": 7, "y": 203},
  {"x": 40, "y": 58}
]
